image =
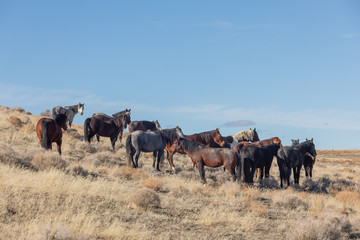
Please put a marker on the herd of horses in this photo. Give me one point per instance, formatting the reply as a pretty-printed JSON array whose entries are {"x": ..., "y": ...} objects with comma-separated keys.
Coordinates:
[{"x": 243, "y": 155}]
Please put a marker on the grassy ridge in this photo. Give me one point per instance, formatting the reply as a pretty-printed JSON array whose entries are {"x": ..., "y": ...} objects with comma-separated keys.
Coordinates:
[{"x": 90, "y": 193}]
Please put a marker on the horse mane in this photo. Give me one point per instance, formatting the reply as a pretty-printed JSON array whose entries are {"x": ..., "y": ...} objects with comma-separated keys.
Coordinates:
[
  {"x": 60, "y": 119},
  {"x": 169, "y": 134},
  {"x": 190, "y": 145},
  {"x": 206, "y": 135}
]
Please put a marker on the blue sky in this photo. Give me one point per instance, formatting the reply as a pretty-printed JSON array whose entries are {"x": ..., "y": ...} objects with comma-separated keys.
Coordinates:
[{"x": 289, "y": 68}]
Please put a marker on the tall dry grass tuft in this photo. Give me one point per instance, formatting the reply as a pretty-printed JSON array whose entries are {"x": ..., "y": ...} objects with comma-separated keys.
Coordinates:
[
  {"x": 327, "y": 226},
  {"x": 11, "y": 157},
  {"x": 145, "y": 199},
  {"x": 155, "y": 184},
  {"x": 45, "y": 160},
  {"x": 15, "y": 121}
]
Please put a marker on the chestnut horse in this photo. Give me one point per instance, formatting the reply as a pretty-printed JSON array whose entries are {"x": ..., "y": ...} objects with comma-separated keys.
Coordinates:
[
  {"x": 49, "y": 131},
  {"x": 144, "y": 126},
  {"x": 202, "y": 155},
  {"x": 208, "y": 138}
]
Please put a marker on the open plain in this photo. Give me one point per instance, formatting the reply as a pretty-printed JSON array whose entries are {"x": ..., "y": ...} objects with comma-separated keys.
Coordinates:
[{"x": 90, "y": 193}]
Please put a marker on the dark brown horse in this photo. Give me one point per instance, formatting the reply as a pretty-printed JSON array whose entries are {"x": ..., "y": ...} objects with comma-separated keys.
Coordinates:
[
  {"x": 202, "y": 155},
  {"x": 309, "y": 162},
  {"x": 106, "y": 127},
  {"x": 209, "y": 138},
  {"x": 109, "y": 118},
  {"x": 144, "y": 126},
  {"x": 49, "y": 131}
]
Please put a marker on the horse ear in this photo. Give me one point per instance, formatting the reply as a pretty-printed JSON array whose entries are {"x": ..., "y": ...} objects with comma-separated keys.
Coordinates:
[
  {"x": 254, "y": 129},
  {"x": 250, "y": 128},
  {"x": 217, "y": 130}
]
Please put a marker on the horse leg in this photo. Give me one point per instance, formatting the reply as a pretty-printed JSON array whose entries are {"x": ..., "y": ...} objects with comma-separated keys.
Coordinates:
[
  {"x": 113, "y": 140},
  {"x": 231, "y": 171},
  {"x": 154, "y": 158},
  {"x": 262, "y": 172},
  {"x": 98, "y": 138},
  {"x": 200, "y": 165},
  {"x": 310, "y": 171},
  {"x": 137, "y": 154},
  {"x": 160, "y": 153},
  {"x": 59, "y": 146}
]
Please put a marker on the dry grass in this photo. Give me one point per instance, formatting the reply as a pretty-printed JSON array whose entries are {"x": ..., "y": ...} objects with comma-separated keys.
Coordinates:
[{"x": 90, "y": 193}]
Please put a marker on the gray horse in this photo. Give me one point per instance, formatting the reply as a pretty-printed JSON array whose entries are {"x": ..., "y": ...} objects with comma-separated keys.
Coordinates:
[
  {"x": 247, "y": 135},
  {"x": 140, "y": 141},
  {"x": 69, "y": 111},
  {"x": 293, "y": 157}
]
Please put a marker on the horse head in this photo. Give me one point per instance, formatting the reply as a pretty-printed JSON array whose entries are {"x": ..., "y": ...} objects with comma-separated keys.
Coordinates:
[
  {"x": 218, "y": 138},
  {"x": 179, "y": 132},
  {"x": 176, "y": 146},
  {"x": 157, "y": 124},
  {"x": 60, "y": 120},
  {"x": 81, "y": 108},
  {"x": 311, "y": 147},
  {"x": 295, "y": 142},
  {"x": 277, "y": 141},
  {"x": 255, "y": 135}
]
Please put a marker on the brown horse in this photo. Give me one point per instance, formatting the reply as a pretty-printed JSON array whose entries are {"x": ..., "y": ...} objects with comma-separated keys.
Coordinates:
[
  {"x": 309, "y": 162},
  {"x": 106, "y": 127},
  {"x": 262, "y": 143},
  {"x": 49, "y": 131},
  {"x": 208, "y": 138},
  {"x": 144, "y": 126},
  {"x": 202, "y": 155}
]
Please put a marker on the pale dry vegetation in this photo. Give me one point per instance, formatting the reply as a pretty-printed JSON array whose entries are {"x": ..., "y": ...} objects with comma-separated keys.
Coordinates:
[{"x": 90, "y": 193}]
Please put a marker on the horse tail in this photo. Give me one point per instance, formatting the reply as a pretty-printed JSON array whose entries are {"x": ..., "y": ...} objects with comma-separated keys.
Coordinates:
[
  {"x": 86, "y": 129},
  {"x": 129, "y": 150},
  {"x": 45, "y": 141},
  {"x": 131, "y": 127}
]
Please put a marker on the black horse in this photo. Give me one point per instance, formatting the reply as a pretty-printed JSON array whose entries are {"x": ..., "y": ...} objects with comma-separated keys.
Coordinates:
[
  {"x": 140, "y": 141},
  {"x": 106, "y": 127},
  {"x": 253, "y": 157},
  {"x": 293, "y": 157}
]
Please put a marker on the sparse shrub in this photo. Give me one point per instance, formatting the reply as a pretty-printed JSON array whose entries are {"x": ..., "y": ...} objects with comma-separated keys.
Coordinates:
[
  {"x": 129, "y": 173},
  {"x": 19, "y": 109},
  {"x": 87, "y": 147},
  {"x": 326, "y": 227},
  {"x": 347, "y": 197},
  {"x": 293, "y": 202},
  {"x": 28, "y": 128},
  {"x": 73, "y": 133},
  {"x": 80, "y": 171},
  {"x": 45, "y": 160},
  {"x": 10, "y": 157},
  {"x": 102, "y": 159},
  {"x": 45, "y": 113},
  {"x": 15, "y": 121},
  {"x": 145, "y": 199},
  {"x": 153, "y": 183}
]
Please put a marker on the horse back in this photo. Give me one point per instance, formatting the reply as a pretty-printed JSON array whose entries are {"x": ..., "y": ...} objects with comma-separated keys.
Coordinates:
[
  {"x": 147, "y": 141},
  {"x": 216, "y": 157}
]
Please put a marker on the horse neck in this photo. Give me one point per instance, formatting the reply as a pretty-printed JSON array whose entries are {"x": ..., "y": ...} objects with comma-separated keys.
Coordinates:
[
  {"x": 303, "y": 147},
  {"x": 189, "y": 146}
]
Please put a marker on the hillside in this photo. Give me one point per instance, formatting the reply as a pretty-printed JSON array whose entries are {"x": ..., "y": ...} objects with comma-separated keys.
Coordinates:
[{"x": 90, "y": 193}]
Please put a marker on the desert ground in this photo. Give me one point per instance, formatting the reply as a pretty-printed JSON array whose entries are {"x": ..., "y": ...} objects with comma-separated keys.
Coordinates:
[{"x": 89, "y": 192}]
